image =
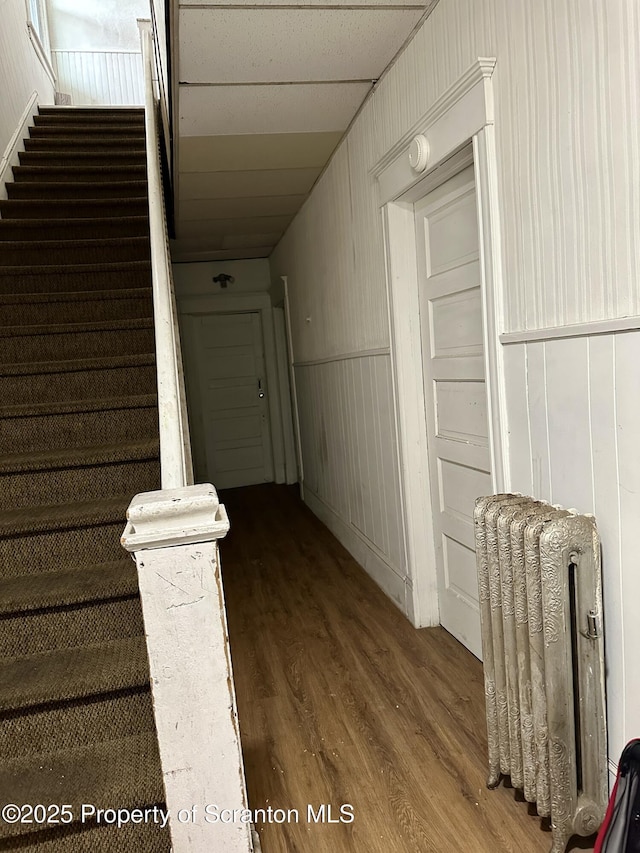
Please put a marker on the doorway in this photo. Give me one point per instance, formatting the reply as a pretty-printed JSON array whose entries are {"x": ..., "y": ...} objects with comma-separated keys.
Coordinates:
[
  {"x": 453, "y": 366},
  {"x": 228, "y": 398}
]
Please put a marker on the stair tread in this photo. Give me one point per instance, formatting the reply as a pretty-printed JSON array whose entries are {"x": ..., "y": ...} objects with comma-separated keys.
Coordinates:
[
  {"x": 73, "y": 673},
  {"x": 53, "y": 269},
  {"x": 74, "y": 328},
  {"x": 66, "y": 516},
  {"x": 79, "y": 457},
  {"x": 54, "y": 589},
  {"x": 113, "y": 773},
  {"x": 77, "y": 365},
  {"x": 83, "y": 243},
  {"x": 43, "y": 186},
  {"x": 75, "y": 296},
  {"x": 62, "y": 407},
  {"x": 40, "y": 225},
  {"x": 149, "y": 837}
]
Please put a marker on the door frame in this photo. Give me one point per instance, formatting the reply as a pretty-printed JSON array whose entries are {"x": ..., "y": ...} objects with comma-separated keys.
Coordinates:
[
  {"x": 459, "y": 130},
  {"x": 249, "y": 303}
]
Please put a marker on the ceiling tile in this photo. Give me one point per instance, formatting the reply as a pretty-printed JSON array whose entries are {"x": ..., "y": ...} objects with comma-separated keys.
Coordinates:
[
  {"x": 183, "y": 252},
  {"x": 251, "y": 184},
  {"x": 422, "y": 4},
  {"x": 193, "y": 228},
  {"x": 222, "y": 45},
  {"x": 258, "y": 151},
  {"x": 232, "y": 208},
  {"x": 284, "y": 108}
]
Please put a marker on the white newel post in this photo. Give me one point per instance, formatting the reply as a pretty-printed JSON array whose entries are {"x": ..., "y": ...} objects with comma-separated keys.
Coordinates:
[{"x": 173, "y": 534}]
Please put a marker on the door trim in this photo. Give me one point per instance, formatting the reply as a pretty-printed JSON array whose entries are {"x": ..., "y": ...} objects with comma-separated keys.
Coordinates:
[
  {"x": 459, "y": 129},
  {"x": 242, "y": 303}
]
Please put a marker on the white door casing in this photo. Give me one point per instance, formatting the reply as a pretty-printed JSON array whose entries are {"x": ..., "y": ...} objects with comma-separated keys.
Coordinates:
[
  {"x": 451, "y": 320},
  {"x": 459, "y": 131},
  {"x": 229, "y": 398}
]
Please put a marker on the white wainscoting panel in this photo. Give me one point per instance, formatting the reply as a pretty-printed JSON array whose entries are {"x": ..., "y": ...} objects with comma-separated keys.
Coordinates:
[
  {"x": 97, "y": 77},
  {"x": 349, "y": 452},
  {"x": 576, "y": 404}
]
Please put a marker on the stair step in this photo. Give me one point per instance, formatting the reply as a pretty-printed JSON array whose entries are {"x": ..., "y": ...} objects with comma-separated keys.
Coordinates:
[
  {"x": 134, "y": 142},
  {"x": 82, "y": 158},
  {"x": 74, "y": 229},
  {"x": 68, "y": 674},
  {"x": 77, "y": 190},
  {"x": 55, "y": 252},
  {"x": 87, "y": 307},
  {"x": 41, "y": 382},
  {"x": 67, "y": 174},
  {"x": 68, "y": 725},
  {"x": 42, "y": 130},
  {"x": 33, "y": 427},
  {"x": 115, "y": 579},
  {"x": 75, "y": 277},
  {"x": 89, "y": 208},
  {"x": 78, "y": 473},
  {"x": 60, "y": 537},
  {"x": 101, "y": 838},
  {"x": 71, "y": 480},
  {"x": 72, "y": 114},
  {"x": 20, "y": 344},
  {"x": 124, "y": 773},
  {"x": 65, "y": 626}
]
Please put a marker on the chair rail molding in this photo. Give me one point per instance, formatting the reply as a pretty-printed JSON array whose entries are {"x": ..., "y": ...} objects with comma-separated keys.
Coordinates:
[
  {"x": 173, "y": 534},
  {"x": 458, "y": 130}
]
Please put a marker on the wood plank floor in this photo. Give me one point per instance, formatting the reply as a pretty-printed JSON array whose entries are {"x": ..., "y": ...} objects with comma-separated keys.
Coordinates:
[{"x": 342, "y": 701}]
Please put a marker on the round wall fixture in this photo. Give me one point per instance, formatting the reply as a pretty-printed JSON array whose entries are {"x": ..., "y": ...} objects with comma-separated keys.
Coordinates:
[{"x": 419, "y": 153}]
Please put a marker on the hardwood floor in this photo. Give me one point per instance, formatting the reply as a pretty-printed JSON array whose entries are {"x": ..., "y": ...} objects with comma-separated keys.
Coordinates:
[{"x": 342, "y": 701}]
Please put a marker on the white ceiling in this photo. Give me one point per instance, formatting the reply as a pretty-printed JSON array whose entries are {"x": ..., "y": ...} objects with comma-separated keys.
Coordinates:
[{"x": 265, "y": 92}]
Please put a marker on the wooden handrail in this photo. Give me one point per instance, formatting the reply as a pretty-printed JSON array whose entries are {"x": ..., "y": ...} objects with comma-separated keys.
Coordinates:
[{"x": 175, "y": 449}]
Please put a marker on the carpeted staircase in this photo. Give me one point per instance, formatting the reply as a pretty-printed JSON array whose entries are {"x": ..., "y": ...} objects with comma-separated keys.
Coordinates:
[{"x": 78, "y": 438}]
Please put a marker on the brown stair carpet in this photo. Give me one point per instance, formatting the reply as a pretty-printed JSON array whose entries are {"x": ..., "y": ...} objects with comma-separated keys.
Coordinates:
[{"x": 78, "y": 438}]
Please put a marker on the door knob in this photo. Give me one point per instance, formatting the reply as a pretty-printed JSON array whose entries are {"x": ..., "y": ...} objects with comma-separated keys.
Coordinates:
[{"x": 260, "y": 389}]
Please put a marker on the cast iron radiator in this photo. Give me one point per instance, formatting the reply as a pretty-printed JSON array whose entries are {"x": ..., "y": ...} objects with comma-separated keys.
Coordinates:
[{"x": 540, "y": 595}]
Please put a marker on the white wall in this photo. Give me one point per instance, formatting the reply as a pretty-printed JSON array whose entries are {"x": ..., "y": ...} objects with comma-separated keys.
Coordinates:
[
  {"x": 567, "y": 121},
  {"x": 95, "y": 48},
  {"x": 250, "y": 276},
  {"x": 21, "y": 72},
  {"x": 96, "y": 24}
]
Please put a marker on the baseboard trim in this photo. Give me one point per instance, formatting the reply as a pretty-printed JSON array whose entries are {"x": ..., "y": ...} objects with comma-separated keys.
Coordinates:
[
  {"x": 384, "y": 575},
  {"x": 16, "y": 144}
]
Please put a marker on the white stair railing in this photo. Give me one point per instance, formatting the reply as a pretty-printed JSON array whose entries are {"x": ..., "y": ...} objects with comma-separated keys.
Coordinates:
[{"x": 173, "y": 534}]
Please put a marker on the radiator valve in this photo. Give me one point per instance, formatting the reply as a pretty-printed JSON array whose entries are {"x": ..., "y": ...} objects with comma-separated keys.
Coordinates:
[{"x": 593, "y": 626}]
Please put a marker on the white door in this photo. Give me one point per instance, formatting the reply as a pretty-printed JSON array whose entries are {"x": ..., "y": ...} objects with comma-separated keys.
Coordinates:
[
  {"x": 455, "y": 392},
  {"x": 229, "y": 399}
]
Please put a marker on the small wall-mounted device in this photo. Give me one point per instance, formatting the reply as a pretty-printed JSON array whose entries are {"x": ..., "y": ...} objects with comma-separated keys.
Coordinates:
[
  {"x": 419, "y": 153},
  {"x": 223, "y": 279}
]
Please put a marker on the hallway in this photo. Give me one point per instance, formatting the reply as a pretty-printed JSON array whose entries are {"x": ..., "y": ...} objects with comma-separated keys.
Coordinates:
[{"x": 341, "y": 701}]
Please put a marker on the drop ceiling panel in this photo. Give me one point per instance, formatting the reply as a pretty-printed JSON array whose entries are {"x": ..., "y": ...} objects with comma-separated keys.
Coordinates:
[
  {"x": 250, "y": 184},
  {"x": 185, "y": 252},
  {"x": 258, "y": 151},
  {"x": 193, "y": 228},
  {"x": 284, "y": 108},
  {"x": 232, "y": 208},
  {"x": 223, "y": 45},
  {"x": 410, "y": 4}
]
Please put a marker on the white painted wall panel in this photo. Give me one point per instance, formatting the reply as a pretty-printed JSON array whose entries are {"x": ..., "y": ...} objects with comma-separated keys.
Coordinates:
[
  {"x": 349, "y": 448},
  {"x": 586, "y": 437},
  {"x": 95, "y": 77},
  {"x": 21, "y": 72}
]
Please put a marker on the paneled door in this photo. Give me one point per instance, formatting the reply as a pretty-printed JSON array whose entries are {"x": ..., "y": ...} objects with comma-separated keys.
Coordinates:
[
  {"x": 228, "y": 399},
  {"x": 455, "y": 392}
]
